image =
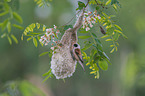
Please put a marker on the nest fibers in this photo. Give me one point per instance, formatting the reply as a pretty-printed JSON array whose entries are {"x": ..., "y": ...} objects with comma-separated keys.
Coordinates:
[{"x": 62, "y": 64}]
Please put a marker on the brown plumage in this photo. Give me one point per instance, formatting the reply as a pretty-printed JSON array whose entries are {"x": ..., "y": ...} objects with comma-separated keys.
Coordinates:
[{"x": 76, "y": 54}]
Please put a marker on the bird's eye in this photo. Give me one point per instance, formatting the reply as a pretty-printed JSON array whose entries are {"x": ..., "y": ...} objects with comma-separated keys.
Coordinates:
[{"x": 75, "y": 45}]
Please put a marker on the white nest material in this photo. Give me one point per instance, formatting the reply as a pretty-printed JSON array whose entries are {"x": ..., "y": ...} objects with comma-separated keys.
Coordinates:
[{"x": 62, "y": 64}]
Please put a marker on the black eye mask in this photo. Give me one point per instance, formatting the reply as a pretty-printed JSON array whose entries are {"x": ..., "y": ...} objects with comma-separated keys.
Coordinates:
[{"x": 75, "y": 45}]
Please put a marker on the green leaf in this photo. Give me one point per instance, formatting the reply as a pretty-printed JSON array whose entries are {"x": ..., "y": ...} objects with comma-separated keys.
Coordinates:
[
  {"x": 104, "y": 24},
  {"x": 87, "y": 47},
  {"x": 116, "y": 36},
  {"x": 106, "y": 56},
  {"x": 111, "y": 45},
  {"x": 55, "y": 35},
  {"x": 44, "y": 53},
  {"x": 49, "y": 76},
  {"x": 119, "y": 28},
  {"x": 4, "y": 24},
  {"x": 94, "y": 35},
  {"x": 112, "y": 50},
  {"x": 84, "y": 37},
  {"x": 112, "y": 16},
  {"x": 38, "y": 37},
  {"x": 92, "y": 54},
  {"x": 97, "y": 76},
  {"x": 115, "y": 7},
  {"x": 85, "y": 55},
  {"x": 35, "y": 41},
  {"x": 14, "y": 38},
  {"x": 3, "y": 35},
  {"x": 105, "y": 36},
  {"x": 121, "y": 33},
  {"x": 108, "y": 61},
  {"x": 98, "y": 42},
  {"x": 50, "y": 53},
  {"x": 47, "y": 73},
  {"x": 33, "y": 33},
  {"x": 4, "y": 13},
  {"x": 44, "y": 27},
  {"x": 108, "y": 40},
  {"x": 110, "y": 30},
  {"x": 92, "y": 2},
  {"x": 38, "y": 25},
  {"x": 97, "y": 8},
  {"x": 83, "y": 32},
  {"x": 81, "y": 5},
  {"x": 41, "y": 4},
  {"x": 9, "y": 26},
  {"x": 29, "y": 38},
  {"x": 114, "y": 2},
  {"x": 124, "y": 36},
  {"x": 9, "y": 39},
  {"x": 17, "y": 17},
  {"x": 96, "y": 67},
  {"x": 103, "y": 65},
  {"x": 105, "y": 14},
  {"x": 18, "y": 26},
  {"x": 32, "y": 26},
  {"x": 108, "y": 2},
  {"x": 118, "y": 31},
  {"x": 29, "y": 28},
  {"x": 22, "y": 37}
]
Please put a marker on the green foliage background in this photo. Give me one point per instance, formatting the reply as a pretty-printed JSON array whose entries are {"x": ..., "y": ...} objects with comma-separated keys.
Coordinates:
[{"x": 125, "y": 77}]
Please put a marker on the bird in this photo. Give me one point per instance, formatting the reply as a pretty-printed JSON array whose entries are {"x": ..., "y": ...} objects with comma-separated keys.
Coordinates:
[{"x": 76, "y": 54}]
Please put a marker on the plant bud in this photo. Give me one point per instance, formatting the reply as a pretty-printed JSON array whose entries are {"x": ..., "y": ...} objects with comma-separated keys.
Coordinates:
[{"x": 102, "y": 30}]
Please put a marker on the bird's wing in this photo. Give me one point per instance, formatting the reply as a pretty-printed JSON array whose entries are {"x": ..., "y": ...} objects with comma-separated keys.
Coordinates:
[{"x": 72, "y": 55}]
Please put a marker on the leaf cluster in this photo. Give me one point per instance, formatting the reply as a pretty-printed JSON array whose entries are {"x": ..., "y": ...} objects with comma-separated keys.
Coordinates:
[
  {"x": 34, "y": 31},
  {"x": 81, "y": 5},
  {"x": 48, "y": 75},
  {"x": 97, "y": 58},
  {"x": 105, "y": 5},
  {"x": 113, "y": 31},
  {"x": 7, "y": 10}
]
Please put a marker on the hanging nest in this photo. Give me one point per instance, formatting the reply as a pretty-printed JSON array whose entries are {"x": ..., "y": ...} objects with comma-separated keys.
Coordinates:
[{"x": 62, "y": 63}]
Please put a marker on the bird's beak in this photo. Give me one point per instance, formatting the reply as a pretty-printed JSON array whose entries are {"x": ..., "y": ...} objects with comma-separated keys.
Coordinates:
[{"x": 82, "y": 65}]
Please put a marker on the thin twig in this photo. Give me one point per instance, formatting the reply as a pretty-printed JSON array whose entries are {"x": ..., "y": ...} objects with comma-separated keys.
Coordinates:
[
  {"x": 75, "y": 15},
  {"x": 87, "y": 3},
  {"x": 71, "y": 19}
]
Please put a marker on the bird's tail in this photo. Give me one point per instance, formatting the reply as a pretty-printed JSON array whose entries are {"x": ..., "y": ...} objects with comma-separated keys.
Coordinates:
[{"x": 82, "y": 65}]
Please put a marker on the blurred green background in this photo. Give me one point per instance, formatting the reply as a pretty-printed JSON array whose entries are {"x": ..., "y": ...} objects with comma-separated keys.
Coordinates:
[{"x": 125, "y": 77}]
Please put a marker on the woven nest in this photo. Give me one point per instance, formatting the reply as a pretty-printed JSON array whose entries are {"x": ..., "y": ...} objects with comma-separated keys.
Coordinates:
[{"x": 62, "y": 64}]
